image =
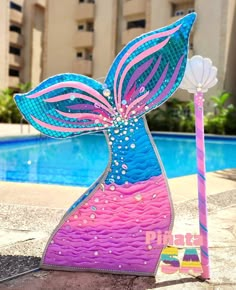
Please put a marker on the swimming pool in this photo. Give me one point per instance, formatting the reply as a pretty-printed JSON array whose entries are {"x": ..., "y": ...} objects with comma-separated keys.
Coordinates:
[{"x": 80, "y": 161}]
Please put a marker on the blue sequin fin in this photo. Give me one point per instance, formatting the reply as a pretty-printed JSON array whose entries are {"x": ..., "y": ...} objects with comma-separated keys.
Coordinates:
[
  {"x": 150, "y": 68},
  {"x": 142, "y": 77}
]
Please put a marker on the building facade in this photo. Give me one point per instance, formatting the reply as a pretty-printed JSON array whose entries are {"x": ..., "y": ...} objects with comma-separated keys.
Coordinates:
[
  {"x": 21, "y": 42},
  {"x": 40, "y": 38}
]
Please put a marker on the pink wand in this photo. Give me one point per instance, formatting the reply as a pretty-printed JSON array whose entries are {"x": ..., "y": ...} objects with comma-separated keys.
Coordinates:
[{"x": 200, "y": 75}]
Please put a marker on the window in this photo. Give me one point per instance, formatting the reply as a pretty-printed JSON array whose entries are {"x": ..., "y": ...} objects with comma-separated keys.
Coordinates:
[
  {"x": 80, "y": 27},
  {"x": 90, "y": 26},
  {"x": 89, "y": 55},
  {"x": 86, "y": 26},
  {"x": 15, "y": 28},
  {"x": 86, "y": 1},
  {"x": 15, "y": 6},
  {"x": 14, "y": 50},
  {"x": 137, "y": 23},
  {"x": 179, "y": 12},
  {"x": 14, "y": 72},
  {"x": 79, "y": 54},
  {"x": 190, "y": 10},
  {"x": 190, "y": 45}
]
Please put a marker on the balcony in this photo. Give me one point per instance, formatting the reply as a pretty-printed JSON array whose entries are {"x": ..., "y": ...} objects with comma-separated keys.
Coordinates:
[
  {"x": 181, "y": 2},
  {"x": 85, "y": 11},
  {"x": 13, "y": 82},
  {"x": 134, "y": 7},
  {"x": 83, "y": 39},
  {"x": 16, "y": 38},
  {"x": 131, "y": 33},
  {"x": 16, "y": 16},
  {"x": 15, "y": 60},
  {"x": 41, "y": 3},
  {"x": 82, "y": 66}
]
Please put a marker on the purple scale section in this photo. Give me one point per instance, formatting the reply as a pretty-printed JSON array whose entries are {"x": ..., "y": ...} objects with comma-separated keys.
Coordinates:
[{"x": 108, "y": 232}]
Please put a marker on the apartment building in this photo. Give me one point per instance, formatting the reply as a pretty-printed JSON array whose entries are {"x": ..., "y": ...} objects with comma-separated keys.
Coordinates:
[
  {"x": 21, "y": 38},
  {"x": 45, "y": 37},
  {"x": 81, "y": 37}
]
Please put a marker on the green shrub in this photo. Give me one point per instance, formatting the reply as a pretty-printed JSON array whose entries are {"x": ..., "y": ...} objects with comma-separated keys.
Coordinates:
[
  {"x": 176, "y": 117},
  {"x": 9, "y": 112},
  {"x": 223, "y": 120},
  {"x": 179, "y": 117},
  {"x": 230, "y": 123}
]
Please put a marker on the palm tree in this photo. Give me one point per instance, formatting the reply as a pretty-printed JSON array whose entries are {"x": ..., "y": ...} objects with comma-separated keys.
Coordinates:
[{"x": 220, "y": 102}]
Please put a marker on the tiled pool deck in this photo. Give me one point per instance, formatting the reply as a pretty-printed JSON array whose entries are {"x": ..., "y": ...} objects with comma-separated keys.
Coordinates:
[
  {"x": 7, "y": 130},
  {"x": 29, "y": 212}
]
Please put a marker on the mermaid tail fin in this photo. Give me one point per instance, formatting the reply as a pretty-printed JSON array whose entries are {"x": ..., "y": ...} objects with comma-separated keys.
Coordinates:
[
  {"x": 143, "y": 76},
  {"x": 66, "y": 105},
  {"x": 150, "y": 68}
]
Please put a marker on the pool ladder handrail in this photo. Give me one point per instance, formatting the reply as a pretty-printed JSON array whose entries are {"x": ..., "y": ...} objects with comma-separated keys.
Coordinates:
[{"x": 22, "y": 126}]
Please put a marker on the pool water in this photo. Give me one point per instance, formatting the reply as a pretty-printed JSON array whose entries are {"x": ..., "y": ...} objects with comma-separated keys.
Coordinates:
[{"x": 80, "y": 161}]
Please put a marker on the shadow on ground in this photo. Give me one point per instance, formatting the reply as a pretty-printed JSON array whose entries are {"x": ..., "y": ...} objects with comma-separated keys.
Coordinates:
[
  {"x": 184, "y": 281},
  {"x": 14, "y": 265},
  {"x": 229, "y": 174},
  {"x": 60, "y": 280}
]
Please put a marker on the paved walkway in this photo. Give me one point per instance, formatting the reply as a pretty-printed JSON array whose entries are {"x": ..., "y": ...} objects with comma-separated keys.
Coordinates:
[{"x": 7, "y": 130}]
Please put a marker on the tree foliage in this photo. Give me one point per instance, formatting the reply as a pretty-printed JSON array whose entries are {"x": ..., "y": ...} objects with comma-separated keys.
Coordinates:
[
  {"x": 9, "y": 112},
  {"x": 179, "y": 116},
  {"x": 176, "y": 116}
]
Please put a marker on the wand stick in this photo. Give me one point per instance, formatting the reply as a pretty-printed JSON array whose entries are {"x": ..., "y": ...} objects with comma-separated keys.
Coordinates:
[
  {"x": 201, "y": 177},
  {"x": 199, "y": 76}
]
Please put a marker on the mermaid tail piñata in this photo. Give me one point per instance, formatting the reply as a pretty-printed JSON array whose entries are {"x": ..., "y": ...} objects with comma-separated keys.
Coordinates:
[{"x": 105, "y": 229}]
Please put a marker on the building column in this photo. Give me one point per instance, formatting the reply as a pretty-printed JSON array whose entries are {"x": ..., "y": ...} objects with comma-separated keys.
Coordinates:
[{"x": 104, "y": 49}]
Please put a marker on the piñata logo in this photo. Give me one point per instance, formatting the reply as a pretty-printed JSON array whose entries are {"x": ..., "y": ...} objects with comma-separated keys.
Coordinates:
[{"x": 170, "y": 262}]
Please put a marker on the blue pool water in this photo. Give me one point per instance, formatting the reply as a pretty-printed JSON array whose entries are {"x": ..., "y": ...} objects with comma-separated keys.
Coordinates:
[{"x": 80, "y": 161}]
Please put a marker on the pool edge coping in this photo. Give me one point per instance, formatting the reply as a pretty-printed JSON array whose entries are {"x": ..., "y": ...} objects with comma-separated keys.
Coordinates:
[{"x": 12, "y": 138}]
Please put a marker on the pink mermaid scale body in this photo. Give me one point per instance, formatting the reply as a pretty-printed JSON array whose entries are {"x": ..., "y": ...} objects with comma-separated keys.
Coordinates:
[{"x": 107, "y": 231}]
